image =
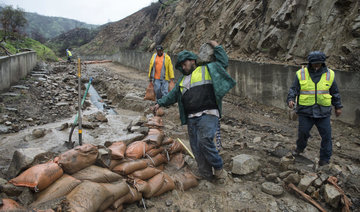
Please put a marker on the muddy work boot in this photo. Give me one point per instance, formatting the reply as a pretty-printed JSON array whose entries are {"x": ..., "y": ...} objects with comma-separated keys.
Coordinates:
[
  {"x": 220, "y": 176},
  {"x": 323, "y": 162},
  {"x": 297, "y": 152}
]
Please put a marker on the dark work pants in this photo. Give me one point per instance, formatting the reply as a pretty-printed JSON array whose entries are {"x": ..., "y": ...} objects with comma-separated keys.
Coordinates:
[
  {"x": 201, "y": 133},
  {"x": 324, "y": 128}
]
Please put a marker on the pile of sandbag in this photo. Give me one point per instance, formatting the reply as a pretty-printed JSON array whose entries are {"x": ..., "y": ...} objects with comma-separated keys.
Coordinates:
[{"x": 73, "y": 181}]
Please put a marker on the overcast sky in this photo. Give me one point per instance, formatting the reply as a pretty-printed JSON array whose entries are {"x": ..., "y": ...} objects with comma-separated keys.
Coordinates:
[{"x": 88, "y": 11}]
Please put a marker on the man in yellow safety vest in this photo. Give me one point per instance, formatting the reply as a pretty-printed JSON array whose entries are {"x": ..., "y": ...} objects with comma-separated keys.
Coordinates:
[{"x": 316, "y": 91}]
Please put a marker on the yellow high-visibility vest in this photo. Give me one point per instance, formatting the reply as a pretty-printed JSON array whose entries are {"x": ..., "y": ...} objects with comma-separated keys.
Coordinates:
[
  {"x": 310, "y": 93},
  {"x": 200, "y": 76}
]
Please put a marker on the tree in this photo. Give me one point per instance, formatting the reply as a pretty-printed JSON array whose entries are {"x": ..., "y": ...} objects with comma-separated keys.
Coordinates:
[{"x": 12, "y": 20}]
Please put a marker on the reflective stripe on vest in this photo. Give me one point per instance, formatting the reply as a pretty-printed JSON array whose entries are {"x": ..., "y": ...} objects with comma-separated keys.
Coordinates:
[
  {"x": 69, "y": 53},
  {"x": 310, "y": 93},
  {"x": 162, "y": 75},
  {"x": 200, "y": 76}
]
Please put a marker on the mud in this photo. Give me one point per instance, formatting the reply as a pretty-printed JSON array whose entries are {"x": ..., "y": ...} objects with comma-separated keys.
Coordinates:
[{"x": 247, "y": 127}]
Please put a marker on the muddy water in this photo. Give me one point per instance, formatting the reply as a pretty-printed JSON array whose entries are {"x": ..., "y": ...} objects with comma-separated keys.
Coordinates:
[{"x": 54, "y": 139}]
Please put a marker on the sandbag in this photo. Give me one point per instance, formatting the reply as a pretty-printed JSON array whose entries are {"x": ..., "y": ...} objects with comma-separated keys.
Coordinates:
[
  {"x": 155, "y": 183},
  {"x": 155, "y": 121},
  {"x": 118, "y": 150},
  {"x": 97, "y": 174},
  {"x": 168, "y": 141},
  {"x": 10, "y": 205},
  {"x": 142, "y": 186},
  {"x": 117, "y": 190},
  {"x": 78, "y": 158},
  {"x": 157, "y": 160},
  {"x": 129, "y": 167},
  {"x": 175, "y": 147},
  {"x": 145, "y": 174},
  {"x": 136, "y": 150},
  {"x": 160, "y": 112},
  {"x": 177, "y": 161},
  {"x": 150, "y": 93},
  {"x": 155, "y": 136},
  {"x": 168, "y": 185},
  {"x": 104, "y": 156},
  {"x": 39, "y": 176},
  {"x": 59, "y": 188},
  {"x": 185, "y": 181},
  {"x": 129, "y": 198},
  {"x": 114, "y": 163},
  {"x": 87, "y": 197},
  {"x": 155, "y": 151}
]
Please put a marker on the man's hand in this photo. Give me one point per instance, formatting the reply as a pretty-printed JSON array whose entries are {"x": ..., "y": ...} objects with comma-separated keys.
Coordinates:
[
  {"x": 213, "y": 43},
  {"x": 338, "y": 112},
  {"x": 291, "y": 104},
  {"x": 155, "y": 108},
  {"x": 150, "y": 79}
]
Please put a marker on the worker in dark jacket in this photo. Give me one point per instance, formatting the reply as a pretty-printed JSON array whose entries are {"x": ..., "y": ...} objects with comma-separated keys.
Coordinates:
[
  {"x": 316, "y": 90},
  {"x": 199, "y": 92}
]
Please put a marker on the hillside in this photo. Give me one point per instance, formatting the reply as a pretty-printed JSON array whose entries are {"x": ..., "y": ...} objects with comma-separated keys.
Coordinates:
[
  {"x": 71, "y": 39},
  {"x": 41, "y": 28},
  {"x": 24, "y": 44},
  {"x": 275, "y": 31}
]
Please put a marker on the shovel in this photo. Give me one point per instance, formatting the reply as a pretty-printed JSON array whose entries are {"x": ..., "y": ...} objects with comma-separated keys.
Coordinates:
[{"x": 70, "y": 144}]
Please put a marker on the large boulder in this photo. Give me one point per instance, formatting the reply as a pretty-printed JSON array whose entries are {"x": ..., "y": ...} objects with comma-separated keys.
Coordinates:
[{"x": 245, "y": 164}]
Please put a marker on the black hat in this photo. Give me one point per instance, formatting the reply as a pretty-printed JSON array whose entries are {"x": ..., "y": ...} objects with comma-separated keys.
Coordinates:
[
  {"x": 316, "y": 57},
  {"x": 159, "y": 47}
]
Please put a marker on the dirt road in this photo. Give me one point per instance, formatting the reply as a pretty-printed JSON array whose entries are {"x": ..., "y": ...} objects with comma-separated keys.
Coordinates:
[{"x": 247, "y": 127}]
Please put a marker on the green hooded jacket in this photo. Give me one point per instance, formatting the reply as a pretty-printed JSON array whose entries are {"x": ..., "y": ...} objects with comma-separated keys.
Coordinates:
[{"x": 221, "y": 80}]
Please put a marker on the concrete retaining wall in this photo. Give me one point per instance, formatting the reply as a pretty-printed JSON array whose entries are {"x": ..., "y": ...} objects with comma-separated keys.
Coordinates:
[
  {"x": 264, "y": 83},
  {"x": 15, "y": 67}
]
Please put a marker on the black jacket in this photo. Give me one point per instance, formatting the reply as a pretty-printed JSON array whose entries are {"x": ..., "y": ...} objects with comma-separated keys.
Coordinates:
[{"x": 315, "y": 111}]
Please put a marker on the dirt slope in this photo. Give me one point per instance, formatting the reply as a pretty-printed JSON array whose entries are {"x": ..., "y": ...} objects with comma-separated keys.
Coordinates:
[{"x": 273, "y": 31}]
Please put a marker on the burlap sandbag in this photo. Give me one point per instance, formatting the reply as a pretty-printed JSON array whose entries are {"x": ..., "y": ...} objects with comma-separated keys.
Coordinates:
[
  {"x": 155, "y": 122},
  {"x": 137, "y": 150},
  {"x": 78, "y": 158},
  {"x": 160, "y": 112},
  {"x": 157, "y": 160},
  {"x": 142, "y": 186},
  {"x": 114, "y": 163},
  {"x": 155, "y": 151},
  {"x": 118, "y": 150},
  {"x": 39, "y": 176},
  {"x": 185, "y": 181},
  {"x": 87, "y": 197},
  {"x": 150, "y": 93},
  {"x": 177, "y": 161},
  {"x": 155, "y": 136},
  {"x": 145, "y": 174},
  {"x": 129, "y": 198},
  {"x": 167, "y": 141},
  {"x": 168, "y": 185},
  {"x": 59, "y": 188},
  {"x": 129, "y": 167},
  {"x": 155, "y": 183},
  {"x": 175, "y": 147},
  {"x": 10, "y": 205},
  {"x": 117, "y": 190},
  {"x": 97, "y": 174}
]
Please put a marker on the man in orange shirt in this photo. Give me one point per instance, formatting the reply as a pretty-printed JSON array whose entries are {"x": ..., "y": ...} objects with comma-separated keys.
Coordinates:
[{"x": 161, "y": 71}]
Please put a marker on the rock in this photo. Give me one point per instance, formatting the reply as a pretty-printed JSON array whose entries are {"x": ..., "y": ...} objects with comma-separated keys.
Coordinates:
[
  {"x": 8, "y": 123},
  {"x": 29, "y": 120},
  {"x": 138, "y": 129},
  {"x": 306, "y": 181},
  {"x": 22, "y": 159},
  {"x": 332, "y": 195},
  {"x": 355, "y": 170},
  {"x": 318, "y": 182},
  {"x": 272, "y": 188},
  {"x": 310, "y": 189},
  {"x": 4, "y": 129},
  {"x": 101, "y": 117},
  {"x": 245, "y": 164},
  {"x": 26, "y": 197},
  {"x": 127, "y": 139},
  {"x": 338, "y": 145},
  {"x": 271, "y": 176},
  {"x": 11, "y": 109},
  {"x": 9, "y": 189},
  {"x": 256, "y": 139},
  {"x": 286, "y": 161},
  {"x": 89, "y": 125},
  {"x": 206, "y": 54},
  {"x": 38, "y": 133},
  {"x": 284, "y": 174},
  {"x": 63, "y": 127},
  {"x": 168, "y": 202},
  {"x": 293, "y": 178}
]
